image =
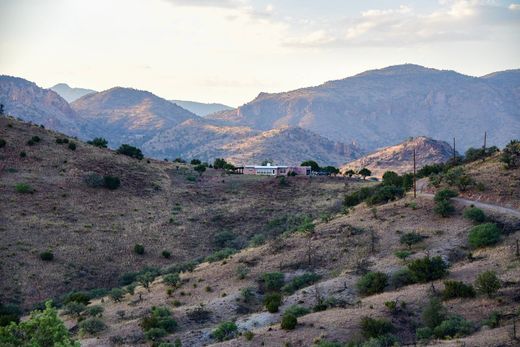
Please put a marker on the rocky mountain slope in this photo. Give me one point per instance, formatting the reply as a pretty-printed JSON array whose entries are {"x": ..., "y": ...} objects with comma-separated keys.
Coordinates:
[
  {"x": 382, "y": 107},
  {"x": 399, "y": 158},
  {"x": 70, "y": 94},
  {"x": 201, "y": 109},
  {"x": 125, "y": 115},
  {"x": 25, "y": 99}
]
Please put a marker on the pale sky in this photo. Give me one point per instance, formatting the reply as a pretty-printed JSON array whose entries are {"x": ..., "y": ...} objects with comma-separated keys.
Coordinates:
[{"x": 230, "y": 50}]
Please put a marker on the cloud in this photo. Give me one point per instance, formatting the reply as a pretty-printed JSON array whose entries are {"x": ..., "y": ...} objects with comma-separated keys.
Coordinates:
[
  {"x": 514, "y": 7},
  {"x": 454, "y": 20},
  {"x": 208, "y": 3}
]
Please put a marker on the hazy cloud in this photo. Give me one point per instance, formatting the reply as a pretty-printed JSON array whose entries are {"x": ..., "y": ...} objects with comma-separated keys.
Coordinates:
[{"x": 208, "y": 3}]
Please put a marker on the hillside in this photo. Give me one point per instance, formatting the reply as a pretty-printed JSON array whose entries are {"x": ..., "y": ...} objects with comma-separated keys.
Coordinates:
[
  {"x": 379, "y": 108},
  {"x": 25, "y": 99},
  {"x": 399, "y": 158},
  {"x": 161, "y": 205},
  {"x": 241, "y": 145},
  {"x": 126, "y": 115},
  {"x": 70, "y": 94},
  {"x": 201, "y": 109}
]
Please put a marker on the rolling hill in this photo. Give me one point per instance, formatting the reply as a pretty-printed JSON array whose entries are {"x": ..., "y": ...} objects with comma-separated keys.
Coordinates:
[
  {"x": 201, "y": 109},
  {"x": 70, "y": 94}
]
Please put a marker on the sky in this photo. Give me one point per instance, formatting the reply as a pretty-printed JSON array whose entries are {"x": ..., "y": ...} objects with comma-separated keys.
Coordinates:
[{"x": 229, "y": 51}]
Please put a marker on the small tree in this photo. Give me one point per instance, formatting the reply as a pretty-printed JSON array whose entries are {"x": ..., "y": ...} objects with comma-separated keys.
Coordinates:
[
  {"x": 145, "y": 280},
  {"x": 272, "y": 301},
  {"x": 349, "y": 173},
  {"x": 487, "y": 283},
  {"x": 200, "y": 169},
  {"x": 428, "y": 269},
  {"x": 139, "y": 249},
  {"x": 372, "y": 283},
  {"x": 314, "y": 165},
  {"x": 117, "y": 294},
  {"x": 475, "y": 214},
  {"x": 410, "y": 239},
  {"x": 225, "y": 331},
  {"x": 219, "y": 163},
  {"x": 433, "y": 313},
  {"x": 511, "y": 155},
  {"x": 364, "y": 172},
  {"x": 98, "y": 142},
  {"x": 484, "y": 235},
  {"x": 130, "y": 151},
  {"x": 195, "y": 162},
  {"x": 289, "y": 321}
]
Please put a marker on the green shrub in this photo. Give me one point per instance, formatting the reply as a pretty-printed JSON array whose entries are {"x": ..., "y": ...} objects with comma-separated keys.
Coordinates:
[
  {"x": 257, "y": 240},
  {"x": 493, "y": 321},
  {"x": 487, "y": 283},
  {"x": 98, "y": 142},
  {"x": 511, "y": 155},
  {"x": 158, "y": 324},
  {"x": 433, "y": 313},
  {"x": 289, "y": 322},
  {"x": 454, "y": 326},
  {"x": 46, "y": 256},
  {"x": 195, "y": 162},
  {"x": 23, "y": 188},
  {"x": 456, "y": 289},
  {"x": 225, "y": 331},
  {"x": 401, "y": 278},
  {"x": 81, "y": 297},
  {"x": 172, "y": 279},
  {"x": 154, "y": 334},
  {"x": 92, "y": 325},
  {"x": 273, "y": 281},
  {"x": 297, "y": 310},
  {"x": 2, "y": 143},
  {"x": 444, "y": 194},
  {"x": 130, "y": 151},
  {"x": 111, "y": 182},
  {"x": 23, "y": 154},
  {"x": 299, "y": 282},
  {"x": 484, "y": 235},
  {"x": 242, "y": 271},
  {"x": 372, "y": 283},
  {"x": 428, "y": 269},
  {"x": 138, "y": 249},
  {"x": 402, "y": 254},
  {"x": 410, "y": 239},
  {"x": 95, "y": 311},
  {"x": 475, "y": 214},
  {"x": 224, "y": 239},
  {"x": 166, "y": 254},
  {"x": 220, "y": 255},
  {"x": 444, "y": 208},
  {"x": 371, "y": 327},
  {"x": 72, "y": 146},
  {"x": 272, "y": 301},
  {"x": 117, "y": 294},
  {"x": 74, "y": 308},
  {"x": 384, "y": 194},
  {"x": 9, "y": 313},
  {"x": 249, "y": 335},
  {"x": 247, "y": 294},
  {"x": 94, "y": 180}
]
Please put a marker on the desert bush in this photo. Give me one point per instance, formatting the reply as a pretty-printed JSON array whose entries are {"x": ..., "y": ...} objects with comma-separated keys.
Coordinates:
[
  {"x": 158, "y": 323},
  {"x": 289, "y": 322},
  {"x": 375, "y": 328},
  {"x": 410, "y": 239},
  {"x": 2, "y": 143},
  {"x": 95, "y": 311},
  {"x": 372, "y": 283},
  {"x": 384, "y": 194},
  {"x": 444, "y": 194},
  {"x": 92, "y": 325},
  {"x": 444, "y": 208},
  {"x": 145, "y": 279},
  {"x": 130, "y": 151},
  {"x": 72, "y": 146},
  {"x": 94, "y": 180},
  {"x": 138, "y": 249},
  {"x": 46, "y": 256},
  {"x": 117, "y": 294},
  {"x": 299, "y": 282},
  {"x": 249, "y": 335},
  {"x": 457, "y": 289},
  {"x": 166, "y": 254},
  {"x": 454, "y": 326},
  {"x": 98, "y": 142},
  {"x": 493, "y": 321},
  {"x": 172, "y": 279},
  {"x": 195, "y": 162},
  {"x": 511, "y": 155},
  {"x": 402, "y": 254},
  {"x": 224, "y": 239},
  {"x": 74, "y": 308},
  {"x": 297, "y": 310},
  {"x": 401, "y": 278},
  {"x": 9, "y": 313},
  {"x": 220, "y": 255},
  {"x": 154, "y": 334},
  {"x": 23, "y": 154},
  {"x": 272, "y": 301},
  {"x": 484, "y": 235},
  {"x": 225, "y": 331},
  {"x": 242, "y": 271},
  {"x": 80, "y": 297},
  {"x": 433, "y": 313},
  {"x": 428, "y": 269},
  {"x": 273, "y": 281},
  {"x": 23, "y": 188},
  {"x": 111, "y": 182},
  {"x": 487, "y": 283},
  {"x": 199, "y": 315},
  {"x": 475, "y": 214},
  {"x": 257, "y": 240},
  {"x": 247, "y": 294}
]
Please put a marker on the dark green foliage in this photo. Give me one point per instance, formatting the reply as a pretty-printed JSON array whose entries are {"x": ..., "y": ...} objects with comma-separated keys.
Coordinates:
[
  {"x": 95, "y": 311},
  {"x": 23, "y": 188},
  {"x": 314, "y": 165},
  {"x": 72, "y": 146},
  {"x": 454, "y": 326},
  {"x": 23, "y": 154},
  {"x": 445, "y": 194},
  {"x": 43, "y": 328},
  {"x": 46, "y": 256},
  {"x": 111, "y": 182},
  {"x": 219, "y": 163},
  {"x": 330, "y": 170},
  {"x": 138, "y": 249},
  {"x": 473, "y": 154},
  {"x": 484, "y": 235},
  {"x": 289, "y": 322},
  {"x": 433, "y": 313},
  {"x": 179, "y": 160},
  {"x": 34, "y": 140},
  {"x": 166, "y": 254},
  {"x": 220, "y": 255},
  {"x": 511, "y": 155},
  {"x": 272, "y": 301},
  {"x": 273, "y": 281},
  {"x": 299, "y": 282},
  {"x": 158, "y": 324},
  {"x": 224, "y": 239},
  {"x": 297, "y": 311},
  {"x": 391, "y": 178},
  {"x": 372, "y": 283},
  {"x": 374, "y": 195},
  {"x": 428, "y": 170},
  {"x": 98, "y": 142},
  {"x": 402, "y": 254},
  {"x": 428, "y": 269},
  {"x": 9, "y": 313},
  {"x": 257, "y": 240},
  {"x": 200, "y": 169},
  {"x": 371, "y": 327},
  {"x": 130, "y": 151},
  {"x": 154, "y": 334},
  {"x": 172, "y": 279},
  {"x": 146, "y": 279},
  {"x": 74, "y": 308},
  {"x": 365, "y": 172},
  {"x": 117, "y": 294},
  {"x": 2, "y": 143},
  {"x": 94, "y": 180},
  {"x": 457, "y": 289},
  {"x": 410, "y": 239},
  {"x": 444, "y": 208},
  {"x": 493, "y": 321},
  {"x": 401, "y": 278},
  {"x": 225, "y": 331},
  {"x": 80, "y": 297},
  {"x": 475, "y": 214},
  {"x": 487, "y": 283},
  {"x": 195, "y": 162}
]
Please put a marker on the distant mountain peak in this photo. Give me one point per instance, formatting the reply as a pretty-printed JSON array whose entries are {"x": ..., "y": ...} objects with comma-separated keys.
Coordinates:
[{"x": 70, "y": 94}]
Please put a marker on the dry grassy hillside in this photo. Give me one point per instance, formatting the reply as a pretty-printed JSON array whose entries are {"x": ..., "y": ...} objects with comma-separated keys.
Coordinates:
[
  {"x": 340, "y": 251},
  {"x": 161, "y": 205}
]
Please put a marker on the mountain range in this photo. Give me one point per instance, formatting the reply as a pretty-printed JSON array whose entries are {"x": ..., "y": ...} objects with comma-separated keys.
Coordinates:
[{"x": 333, "y": 123}]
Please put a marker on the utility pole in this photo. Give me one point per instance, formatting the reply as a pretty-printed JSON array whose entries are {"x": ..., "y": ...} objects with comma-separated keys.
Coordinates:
[{"x": 414, "y": 176}]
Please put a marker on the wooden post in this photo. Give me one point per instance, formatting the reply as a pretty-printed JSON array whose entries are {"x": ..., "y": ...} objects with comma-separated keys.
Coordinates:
[{"x": 414, "y": 176}]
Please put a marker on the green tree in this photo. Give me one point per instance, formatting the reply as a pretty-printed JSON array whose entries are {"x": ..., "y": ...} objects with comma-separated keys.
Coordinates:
[
  {"x": 219, "y": 163},
  {"x": 484, "y": 235},
  {"x": 225, "y": 331},
  {"x": 43, "y": 328},
  {"x": 511, "y": 154},
  {"x": 314, "y": 165},
  {"x": 365, "y": 172},
  {"x": 391, "y": 178},
  {"x": 433, "y": 313},
  {"x": 349, "y": 173},
  {"x": 200, "y": 169},
  {"x": 195, "y": 162},
  {"x": 487, "y": 283},
  {"x": 98, "y": 142},
  {"x": 130, "y": 151},
  {"x": 428, "y": 269},
  {"x": 289, "y": 321},
  {"x": 372, "y": 283}
]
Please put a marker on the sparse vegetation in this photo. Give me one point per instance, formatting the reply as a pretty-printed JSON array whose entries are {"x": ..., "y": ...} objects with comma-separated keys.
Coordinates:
[
  {"x": 111, "y": 182},
  {"x": 273, "y": 281},
  {"x": 299, "y": 282},
  {"x": 374, "y": 328},
  {"x": 72, "y": 146},
  {"x": 98, "y": 142},
  {"x": 172, "y": 279},
  {"x": 443, "y": 205},
  {"x": 511, "y": 155},
  {"x": 220, "y": 255},
  {"x": 158, "y": 324},
  {"x": 410, "y": 239},
  {"x": 297, "y": 311},
  {"x": 117, "y": 294}
]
